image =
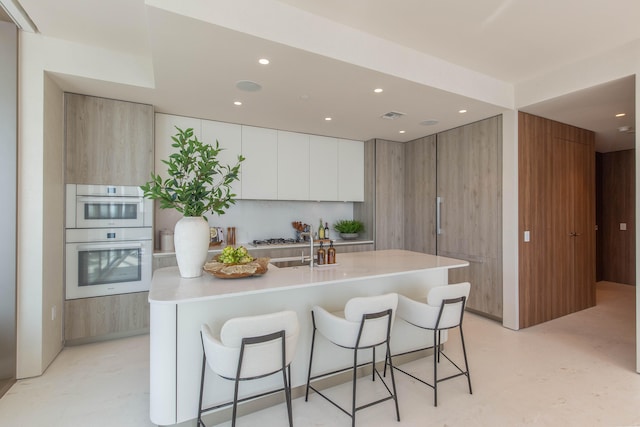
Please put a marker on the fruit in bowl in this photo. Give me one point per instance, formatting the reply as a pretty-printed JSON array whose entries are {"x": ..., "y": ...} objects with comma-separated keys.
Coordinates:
[{"x": 231, "y": 255}]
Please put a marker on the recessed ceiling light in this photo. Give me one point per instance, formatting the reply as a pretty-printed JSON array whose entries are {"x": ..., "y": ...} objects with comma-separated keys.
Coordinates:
[
  {"x": 328, "y": 119},
  {"x": 462, "y": 111},
  {"x": 248, "y": 86},
  {"x": 237, "y": 103},
  {"x": 378, "y": 90},
  {"x": 620, "y": 115},
  {"x": 402, "y": 131},
  {"x": 263, "y": 61}
]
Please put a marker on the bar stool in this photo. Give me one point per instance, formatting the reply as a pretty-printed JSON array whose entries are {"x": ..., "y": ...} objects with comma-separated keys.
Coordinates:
[
  {"x": 250, "y": 348},
  {"x": 443, "y": 310},
  {"x": 366, "y": 324}
]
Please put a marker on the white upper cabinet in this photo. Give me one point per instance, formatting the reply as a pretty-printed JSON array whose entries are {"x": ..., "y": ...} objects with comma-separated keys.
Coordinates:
[
  {"x": 350, "y": 170},
  {"x": 229, "y": 137},
  {"x": 260, "y": 169},
  {"x": 165, "y": 129},
  {"x": 323, "y": 168},
  {"x": 293, "y": 166}
]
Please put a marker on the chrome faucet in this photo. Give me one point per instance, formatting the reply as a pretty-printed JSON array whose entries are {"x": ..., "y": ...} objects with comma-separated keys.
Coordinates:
[{"x": 310, "y": 234}]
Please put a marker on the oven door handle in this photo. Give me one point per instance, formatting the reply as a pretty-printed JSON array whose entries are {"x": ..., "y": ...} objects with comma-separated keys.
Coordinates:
[
  {"x": 109, "y": 245},
  {"x": 110, "y": 200}
]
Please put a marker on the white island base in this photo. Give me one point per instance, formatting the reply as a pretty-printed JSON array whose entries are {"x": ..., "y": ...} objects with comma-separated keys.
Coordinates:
[{"x": 179, "y": 306}]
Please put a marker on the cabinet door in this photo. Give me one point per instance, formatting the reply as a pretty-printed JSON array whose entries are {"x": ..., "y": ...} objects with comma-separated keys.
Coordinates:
[
  {"x": 260, "y": 169},
  {"x": 165, "y": 126},
  {"x": 469, "y": 182},
  {"x": 389, "y": 209},
  {"x": 323, "y": 168},
  {"x": 293, "y": 166},
  {"x": 229, "y": 137},
  {"x": 107, "y": 141},
  {"x": 420, "y": 195},
  {"x": 350, "y": 170}
]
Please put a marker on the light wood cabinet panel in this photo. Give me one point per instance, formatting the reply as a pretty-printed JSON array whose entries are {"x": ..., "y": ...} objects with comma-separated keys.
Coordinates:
[
  {"x": 293, "y": 166},
  {"x": 468, "y": 185},
  {"x": 389, "y": 202},
  {"x": 420, "y": 195},
  {"x": 229, "y": 138},
  {"x": 350, "y": 170},
  {"x": 113, "y": 316},
  {"x": 107, "y": 141},
  {"x": 260, "y": 169},
  {"x": 557, "y": 208},
  {"x": 323, "y": 168}
]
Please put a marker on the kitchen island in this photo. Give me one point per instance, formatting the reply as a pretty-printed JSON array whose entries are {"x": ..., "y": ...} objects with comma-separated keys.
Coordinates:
[{"x": 179, "y": 306}]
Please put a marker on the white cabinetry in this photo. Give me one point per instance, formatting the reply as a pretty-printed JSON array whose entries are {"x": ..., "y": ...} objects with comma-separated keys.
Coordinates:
[
  {"x": 293, "y": 166},
  {"x": 260, "y": 169},
  {"x": 229, "y": 137},
  {"x": 323, "y": 168},
  {"x": 350, "y": 170},
  {"x": 165, "y": 129}
]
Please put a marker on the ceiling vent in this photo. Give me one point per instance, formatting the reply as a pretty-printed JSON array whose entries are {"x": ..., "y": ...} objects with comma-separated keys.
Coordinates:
[{"x": 392, "y": 115}]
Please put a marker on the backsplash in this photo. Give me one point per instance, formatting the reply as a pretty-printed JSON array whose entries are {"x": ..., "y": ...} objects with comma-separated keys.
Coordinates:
[{"x": 264, "y": 219}]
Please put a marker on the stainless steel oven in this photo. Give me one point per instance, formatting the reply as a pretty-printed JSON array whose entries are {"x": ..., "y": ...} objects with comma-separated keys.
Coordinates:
[
  {"x": 108, "y": 261},
  {"x": 95, "y": 206}
]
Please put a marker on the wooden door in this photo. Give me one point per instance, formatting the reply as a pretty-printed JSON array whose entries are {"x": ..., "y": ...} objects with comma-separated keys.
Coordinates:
[
  {"x": 557, "y": 210},
  {"x": 468, "y": 187}
]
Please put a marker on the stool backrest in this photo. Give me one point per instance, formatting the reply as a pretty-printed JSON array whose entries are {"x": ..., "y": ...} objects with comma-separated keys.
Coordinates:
[
  {"x": 374, "y": 331},
  {"x": 258, "y": 359},
  {"x": 451, "y": 314}
]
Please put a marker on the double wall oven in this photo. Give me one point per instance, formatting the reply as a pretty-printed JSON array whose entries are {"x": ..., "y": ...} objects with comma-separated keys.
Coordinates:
[{"x": 108, "y": 240}]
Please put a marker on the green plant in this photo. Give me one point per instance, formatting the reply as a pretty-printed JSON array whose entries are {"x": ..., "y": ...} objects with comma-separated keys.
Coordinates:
[
  {"x": 348, "y": 226},
  {"x": 197, "y": 182}
]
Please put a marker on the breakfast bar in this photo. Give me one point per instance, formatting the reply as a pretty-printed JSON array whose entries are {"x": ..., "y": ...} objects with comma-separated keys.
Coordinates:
[{"x": 180, "y": 306}]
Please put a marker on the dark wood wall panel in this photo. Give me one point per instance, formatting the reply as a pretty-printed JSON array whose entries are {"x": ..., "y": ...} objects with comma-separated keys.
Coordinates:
[
  {"x": 557, "y": 207},
  {"x": 616, "y": 206}
]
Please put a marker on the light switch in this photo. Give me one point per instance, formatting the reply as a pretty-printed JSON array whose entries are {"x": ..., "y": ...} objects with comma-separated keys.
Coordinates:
[
  {"x": 623, "y": 226},
  {"x": 527, "y": 236}
]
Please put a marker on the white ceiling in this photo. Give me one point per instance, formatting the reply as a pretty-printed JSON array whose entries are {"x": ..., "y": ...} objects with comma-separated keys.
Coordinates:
[{"x": 196, "y": 64}]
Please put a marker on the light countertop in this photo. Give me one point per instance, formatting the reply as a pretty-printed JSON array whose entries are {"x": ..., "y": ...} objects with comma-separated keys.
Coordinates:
[{"x": 167, "y": 287}]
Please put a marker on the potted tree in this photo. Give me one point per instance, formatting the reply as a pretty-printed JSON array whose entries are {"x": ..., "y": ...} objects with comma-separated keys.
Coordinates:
[{"x": 196, "y": 184}]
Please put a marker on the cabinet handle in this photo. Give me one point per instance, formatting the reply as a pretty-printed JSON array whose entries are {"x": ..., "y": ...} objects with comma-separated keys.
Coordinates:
[{"x": 438, "y": 209}]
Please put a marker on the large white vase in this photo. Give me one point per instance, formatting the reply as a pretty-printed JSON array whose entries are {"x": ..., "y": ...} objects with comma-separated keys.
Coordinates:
[{"x": 191, "y": 239}]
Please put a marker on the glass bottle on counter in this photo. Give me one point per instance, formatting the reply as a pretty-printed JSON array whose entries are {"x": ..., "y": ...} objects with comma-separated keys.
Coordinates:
[
  {"x": 321, "y": 260},
  {"x": 326, "y": 230},
  {"x": 331, "y": 254},
  {"x": 321, "y": 230}
]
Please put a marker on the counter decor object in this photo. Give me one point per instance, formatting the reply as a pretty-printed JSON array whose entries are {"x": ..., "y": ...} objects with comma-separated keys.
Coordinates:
[
  {"x": 235, "y": 263},
  {"x": 195, "y": 183},
  {"x": 349, "y": 228}
]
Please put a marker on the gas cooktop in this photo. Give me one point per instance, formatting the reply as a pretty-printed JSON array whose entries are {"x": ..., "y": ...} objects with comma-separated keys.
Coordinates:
[{"x": 275, "y": 241}]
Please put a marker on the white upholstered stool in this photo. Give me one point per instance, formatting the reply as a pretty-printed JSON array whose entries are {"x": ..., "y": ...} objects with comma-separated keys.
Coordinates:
[
  {"x": 249, "y": 348},
  {"x": 366, "y": 324},
  {"x": 442, "y": 310}
]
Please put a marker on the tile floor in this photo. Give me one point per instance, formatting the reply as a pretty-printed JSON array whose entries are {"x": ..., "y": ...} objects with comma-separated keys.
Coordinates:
[{"x": 578, "y": 370}]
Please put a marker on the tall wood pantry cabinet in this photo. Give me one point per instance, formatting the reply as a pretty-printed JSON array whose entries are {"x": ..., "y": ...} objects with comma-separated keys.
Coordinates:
[
  {"x": 453, "y": 205},
  {"x": 108, "y": 142}
]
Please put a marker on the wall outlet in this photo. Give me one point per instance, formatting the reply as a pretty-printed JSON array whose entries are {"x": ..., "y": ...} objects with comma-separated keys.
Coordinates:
[
  {"x": 527, "y": 236},
  {"x": 53, "y": 313},
  {"x": 623, "y": 226}
]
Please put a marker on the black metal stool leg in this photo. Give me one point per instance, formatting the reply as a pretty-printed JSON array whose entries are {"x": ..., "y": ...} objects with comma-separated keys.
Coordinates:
[
  {"x": 313, "y": 341},
  {"x": 436, "y": 356},
  {"x": 466, "y": 364}
]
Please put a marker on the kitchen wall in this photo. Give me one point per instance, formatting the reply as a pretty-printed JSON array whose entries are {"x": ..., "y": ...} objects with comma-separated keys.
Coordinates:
[{"x": 264, "y": 219}]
